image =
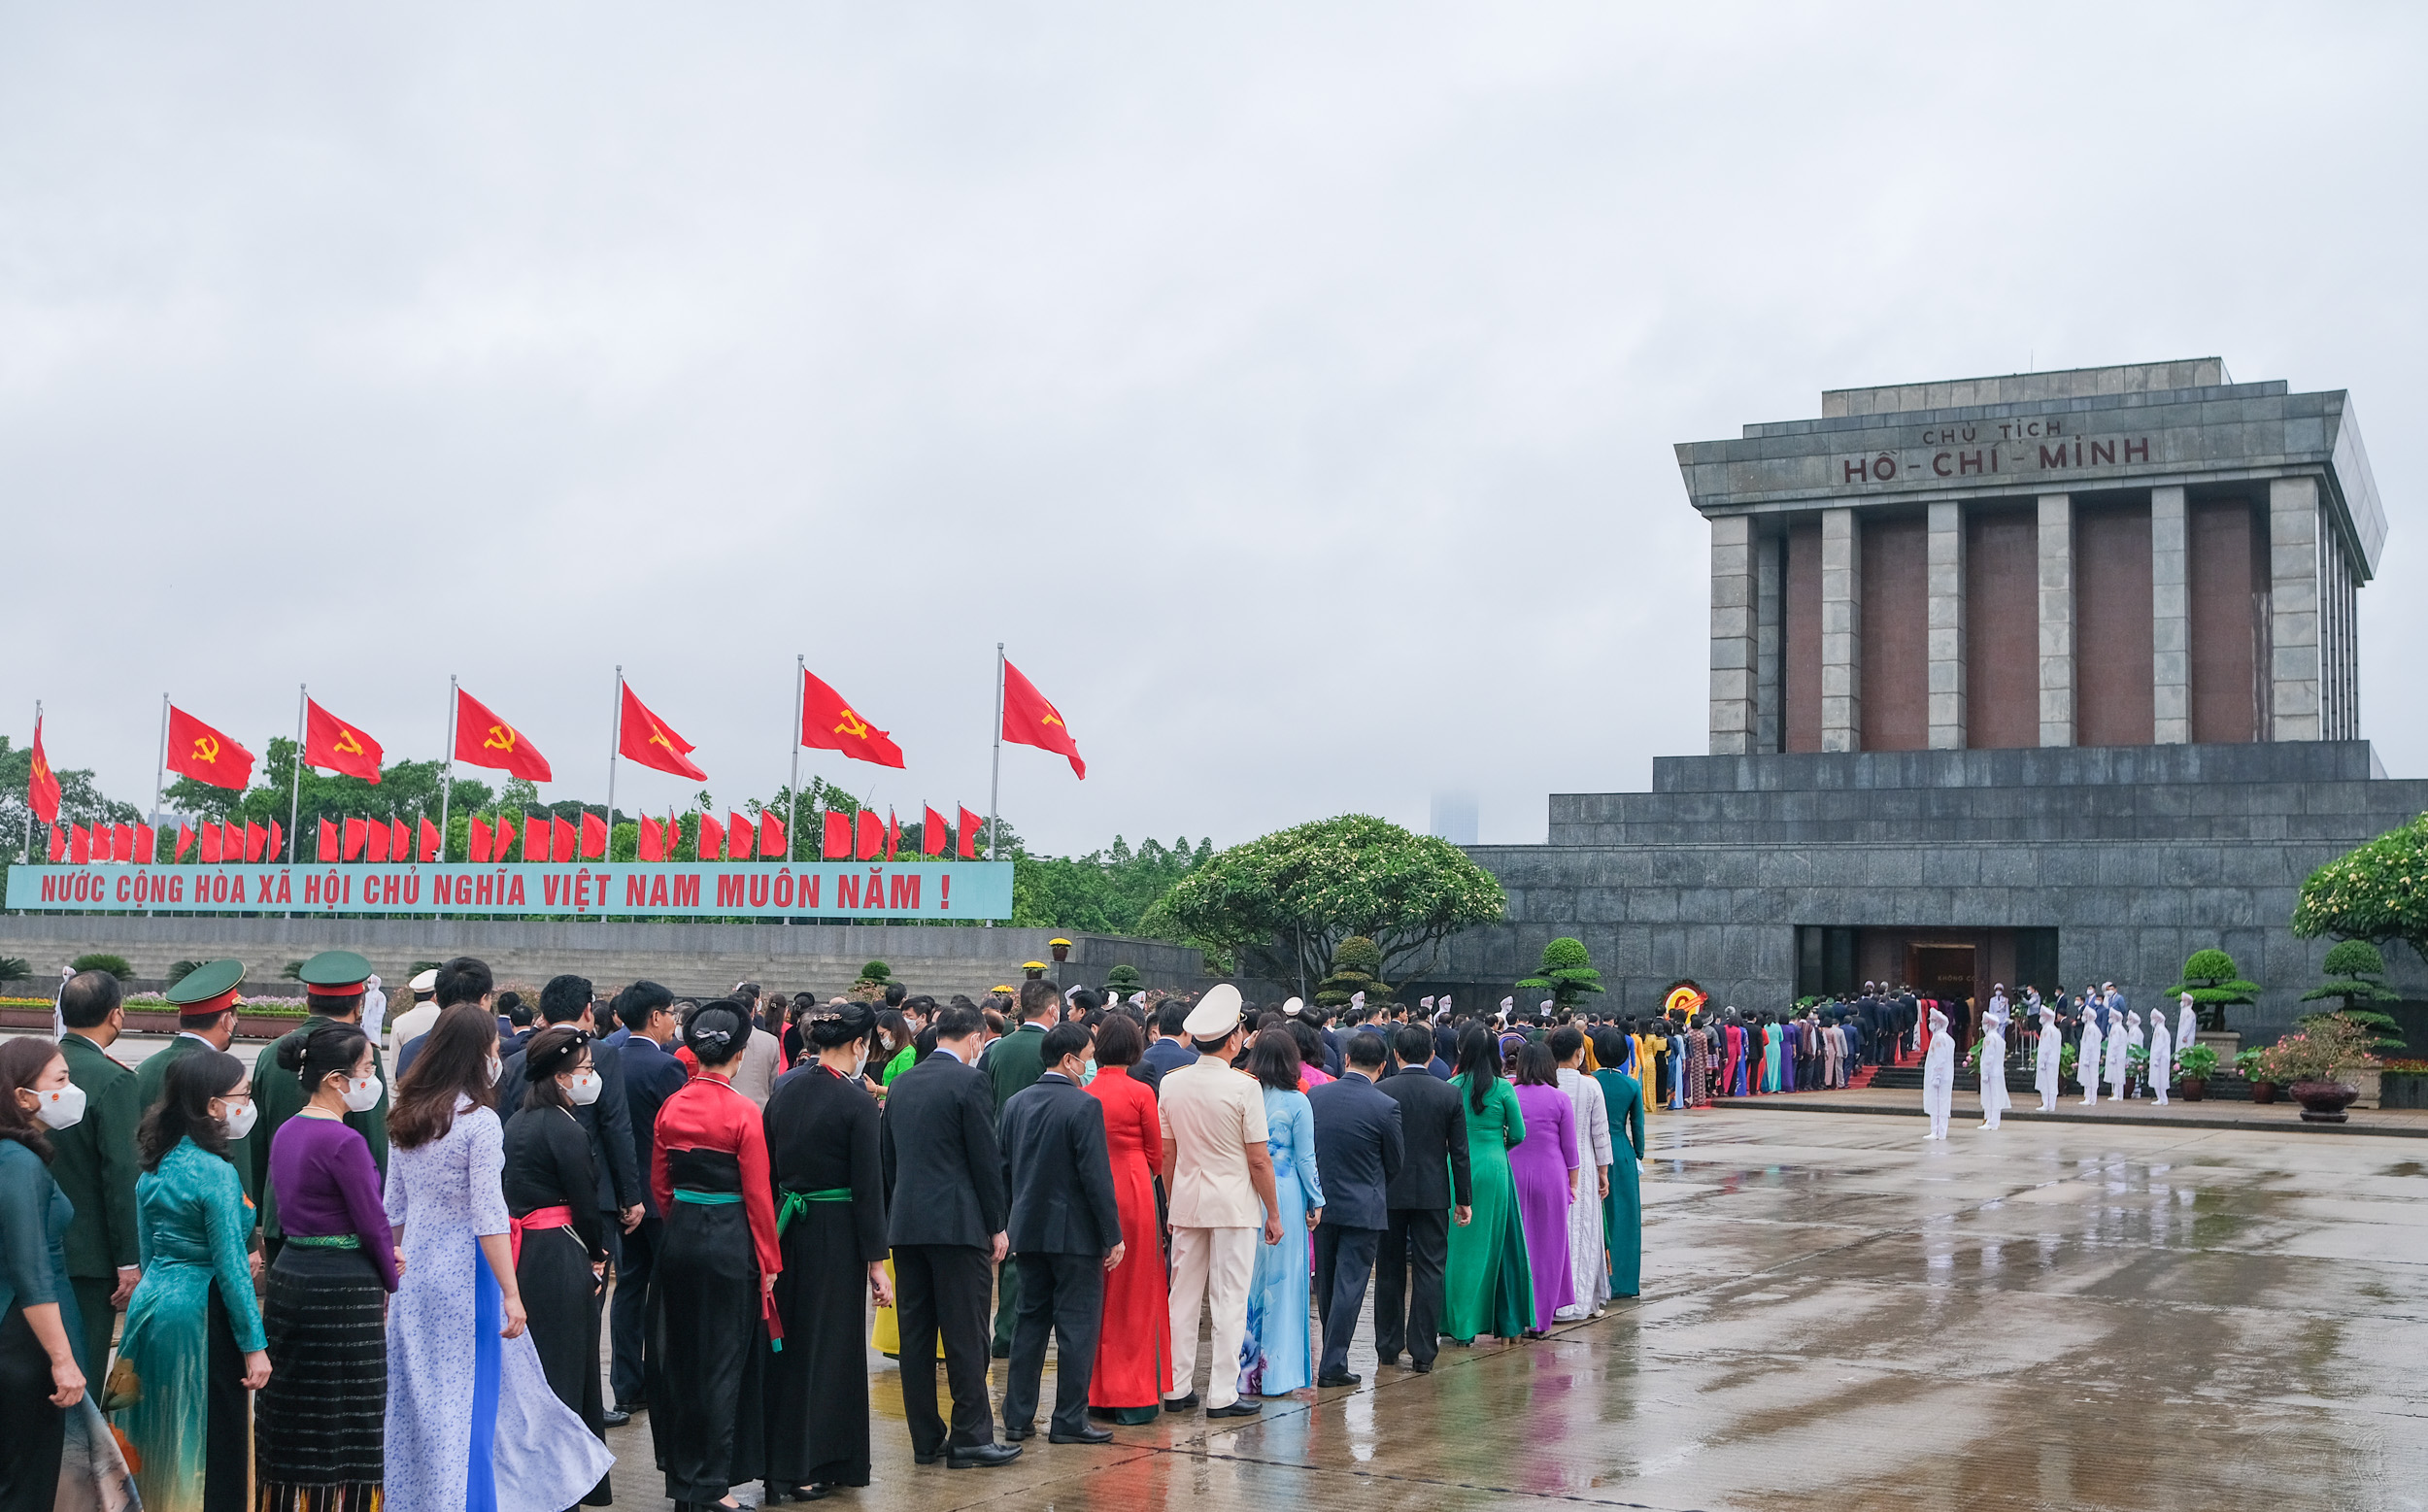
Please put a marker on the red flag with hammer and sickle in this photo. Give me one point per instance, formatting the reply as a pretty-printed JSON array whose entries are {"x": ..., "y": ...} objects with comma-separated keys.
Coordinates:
[
  {"x": 203, "y": 753},
  {"x": 1030, "y": 720},
  {"x": 331, "y": 743},
  {"x": 42, "y": 786},
  {"x": 829, "y": 723},
  {"x": 483, "y": 739},
  {"x": 646, "y": 739}
]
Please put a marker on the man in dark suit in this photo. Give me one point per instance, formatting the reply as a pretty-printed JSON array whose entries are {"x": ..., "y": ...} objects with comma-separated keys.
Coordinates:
[
  {"x": 1359, "y": 1148},
  {"x": 1065, "y": 1232},
  {"x": 946, "y": 1215},
  {"x": 1012, "y": 1065},
  {"x": 93, "y": 1161},
  {"x": 1434, "y": 1180},
  {"x": 651, "y": 1076},
  {"x": 1170, "y": 1050}
]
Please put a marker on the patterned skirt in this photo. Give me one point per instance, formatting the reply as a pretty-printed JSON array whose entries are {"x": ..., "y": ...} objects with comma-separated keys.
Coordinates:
[{"x": 320, "y": 1426}]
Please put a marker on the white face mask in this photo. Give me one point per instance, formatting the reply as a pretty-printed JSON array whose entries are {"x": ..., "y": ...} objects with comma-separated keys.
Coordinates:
[
  {"x": 61, "y": 1107},
  {"x": 362, "y": 1093},
  {"x": 582, "y": 1089},
  {"x": 239, "y": 1118},
  {"x": 495, "y": 1067}
]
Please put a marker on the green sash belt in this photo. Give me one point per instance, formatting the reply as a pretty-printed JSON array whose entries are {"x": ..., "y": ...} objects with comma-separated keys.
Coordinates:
[
  {"x": 796, "y": 1203},
  {"x": 706, "y": 1199},
  {"x": 327, "y": 1241}
]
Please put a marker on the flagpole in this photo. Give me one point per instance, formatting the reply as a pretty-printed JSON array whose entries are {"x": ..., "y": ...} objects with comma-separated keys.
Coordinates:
[
  {"x": 995, "y": 788},
  {"x": 615, "y": 743},
  {"x": 294, "y": 793},
  {"x": 792, "y": 821},
  {"x": 447, "y": 774},
  {"x": 161, "y": 773},
  {"x": 29, "y": 797}
]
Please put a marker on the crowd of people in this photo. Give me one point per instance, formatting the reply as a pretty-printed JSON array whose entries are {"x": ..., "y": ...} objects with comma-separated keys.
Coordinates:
[{"x": 311, "y": 1283}]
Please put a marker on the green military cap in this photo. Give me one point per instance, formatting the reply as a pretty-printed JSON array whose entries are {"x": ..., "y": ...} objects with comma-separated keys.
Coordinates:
[
  {"x": 208, "y": 991},
  {"x": 336, "y": 974}
]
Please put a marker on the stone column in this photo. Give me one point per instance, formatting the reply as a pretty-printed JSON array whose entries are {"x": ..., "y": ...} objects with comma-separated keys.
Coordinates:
[
  {"x": 2293, "y": 661},
  {"x": 1946, "y": 587},
  {"x": 2171, "y": 619},
  {"x": 1842, "y": 631},
  {"x": 2056, "y": 619},
  {"x": 1769, "y": 617},
  {"x": 1731, "y": 635}
]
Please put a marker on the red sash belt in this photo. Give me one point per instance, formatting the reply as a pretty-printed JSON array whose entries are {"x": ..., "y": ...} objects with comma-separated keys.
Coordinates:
[{"x": 539, "y": 1218}]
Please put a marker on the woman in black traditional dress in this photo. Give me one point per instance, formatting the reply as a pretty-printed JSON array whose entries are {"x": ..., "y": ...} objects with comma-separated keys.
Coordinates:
[
  {"x": 829, "y": 1191},
  {"x": 550, "y": 1185}
]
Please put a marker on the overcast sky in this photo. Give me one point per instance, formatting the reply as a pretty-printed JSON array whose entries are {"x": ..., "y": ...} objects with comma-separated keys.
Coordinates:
[{"x": 1292, "y": 387}]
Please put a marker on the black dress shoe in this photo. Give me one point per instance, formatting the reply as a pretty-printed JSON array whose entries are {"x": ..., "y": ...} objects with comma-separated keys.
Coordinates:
[
  {"x": 614, "y": 1417},
  {"x": 1017, "y": 1434},
  {"x": 815, "y": 1491},
  {"x": 1003, "y": 1352},
  {"x": 636, "y": 1404},
  {"x": 936, "y": 1457},
  {"x": 1238, "y": 1409},
  {"x": 1392, "y": 1359},
  {"x": 1086, "y": 1435},
  {"x": 984, "y": 1456},
  {"x": 1343, "y": 1378},
  {"x": 1188, "y": 1403},
  {"x": 1422, "y": 1366}
]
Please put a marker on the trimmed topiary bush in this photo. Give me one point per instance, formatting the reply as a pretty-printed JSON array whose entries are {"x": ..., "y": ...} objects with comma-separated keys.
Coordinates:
[
  {"x": 1567, "y": 973},
  {"x": 2216, "y": 983},
  {"x": 1357, "y": 967}
]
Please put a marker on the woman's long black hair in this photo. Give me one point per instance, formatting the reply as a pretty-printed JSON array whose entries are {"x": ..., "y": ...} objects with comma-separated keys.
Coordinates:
[
  {"x": 185, "y": 1113},
  {"x": 1479, "y": 1062}
]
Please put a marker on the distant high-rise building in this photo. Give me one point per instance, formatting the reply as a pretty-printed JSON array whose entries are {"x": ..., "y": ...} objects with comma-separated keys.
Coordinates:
[{"x": 1454, "y": 818}]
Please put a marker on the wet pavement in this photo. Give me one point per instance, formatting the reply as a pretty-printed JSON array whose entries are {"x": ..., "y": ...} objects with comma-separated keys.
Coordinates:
[{"x": 1838, "y": 1314}]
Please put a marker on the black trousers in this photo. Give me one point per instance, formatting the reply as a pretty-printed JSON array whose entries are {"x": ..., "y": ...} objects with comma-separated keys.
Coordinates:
[
  {"x": 1065, "y": 1294},
  {"x": 628, "y": 1321},
  {"x": 37, "y": 1431},
  {"x": 943, "y": 1289},
  {"x": 1408, "y": 1284},
  {"x": 1344, "y": 1262}
]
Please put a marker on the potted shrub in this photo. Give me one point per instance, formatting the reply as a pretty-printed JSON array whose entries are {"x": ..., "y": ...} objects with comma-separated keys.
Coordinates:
[
  {"x": 2194, "y": 1065},
  {"x": 2252, "y": 1065},
  {"x": 2313, "y": 1061},
  {"x": 2352, "y": 989}
]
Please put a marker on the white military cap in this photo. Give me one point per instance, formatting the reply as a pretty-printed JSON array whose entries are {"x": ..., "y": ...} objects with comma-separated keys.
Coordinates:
[
  {"x": 425, "y": 982},
  {"x": 1216, "y": 1014}
]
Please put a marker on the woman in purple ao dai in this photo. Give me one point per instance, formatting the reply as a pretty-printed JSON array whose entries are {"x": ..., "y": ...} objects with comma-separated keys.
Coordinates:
[{"x": 1544, "y": 1168}]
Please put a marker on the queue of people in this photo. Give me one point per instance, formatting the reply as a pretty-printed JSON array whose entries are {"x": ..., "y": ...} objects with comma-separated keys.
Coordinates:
[{"x": 346, "y": 1287}]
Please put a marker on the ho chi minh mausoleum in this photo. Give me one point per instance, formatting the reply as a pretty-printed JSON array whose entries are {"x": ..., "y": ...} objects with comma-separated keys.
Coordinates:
[{"x": 2048, "y": 678}]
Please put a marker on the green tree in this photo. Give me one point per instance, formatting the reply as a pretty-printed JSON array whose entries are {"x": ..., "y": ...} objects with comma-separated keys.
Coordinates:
[
  {"x": 1357, "y": 967},
  {"x": 2378, "y": 891},
  {"x": 2216, "y": 983},
  {"x": 2353, "y": 967},
  {"x": 1299, "y": 892},
  {"x": 1567, "y": 973},
  {"x": 1105, "y": 891}
]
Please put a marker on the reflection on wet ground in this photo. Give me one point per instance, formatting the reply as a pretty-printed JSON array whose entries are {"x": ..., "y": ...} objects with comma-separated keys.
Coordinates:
[{"x": 1838, "y": 1313}]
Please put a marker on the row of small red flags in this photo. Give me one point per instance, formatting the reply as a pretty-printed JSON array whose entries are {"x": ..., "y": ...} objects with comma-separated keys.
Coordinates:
[
  {"x": 541, "y": 837},
  {"x": 229, "y": 843}
]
